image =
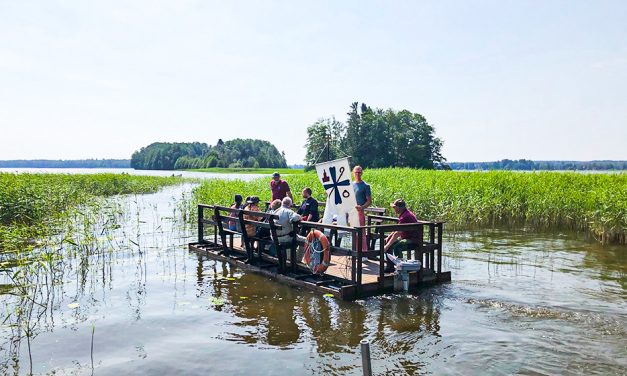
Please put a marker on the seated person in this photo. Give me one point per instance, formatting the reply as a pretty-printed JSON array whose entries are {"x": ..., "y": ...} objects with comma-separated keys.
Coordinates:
[
  {"x": 274, "y": 205},
  {"x": 252, "y": 204},
  {"x": 285, "y": 220},
  {"x": 400, "y": 241},
  {"x": 308, "y": 209},
  {"x": 264, "y": 233},
  {"x": 234, "y": 225}
]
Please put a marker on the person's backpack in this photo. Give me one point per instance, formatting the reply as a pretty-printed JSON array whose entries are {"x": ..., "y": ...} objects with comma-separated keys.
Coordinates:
[{"x": 262, "y": 232}]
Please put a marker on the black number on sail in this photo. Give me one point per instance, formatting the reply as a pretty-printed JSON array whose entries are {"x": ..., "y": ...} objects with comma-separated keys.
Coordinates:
[{"x": 335, "y": 184}]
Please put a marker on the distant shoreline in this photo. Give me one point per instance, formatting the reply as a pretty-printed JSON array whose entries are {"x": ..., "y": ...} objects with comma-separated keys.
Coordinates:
[
  {"x": 507, "y": 165},
  {"x": 528, "y": 165},
  {"x": 60, "y": 163}
]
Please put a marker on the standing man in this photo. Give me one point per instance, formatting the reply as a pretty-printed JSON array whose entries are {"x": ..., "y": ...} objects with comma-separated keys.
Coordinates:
[
  {"x": 308, "y": 209},
  {"x": 400, "y": 241},
  {"x": 363, "y": 196},
  {"x": 280, "y": 189}
]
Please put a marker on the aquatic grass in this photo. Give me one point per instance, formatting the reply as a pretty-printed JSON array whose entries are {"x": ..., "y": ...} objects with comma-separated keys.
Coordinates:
[
  {"x": 34, "y": 206},
  {"x": 594, "y": 204},
  {"x": 29, "y": 198},
  {"x": 85, "y": 243}
]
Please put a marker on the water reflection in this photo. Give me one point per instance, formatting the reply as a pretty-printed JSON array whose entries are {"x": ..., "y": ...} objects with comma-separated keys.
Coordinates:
[
  {"x": 611, "y": 259},
  {"x": 276, "y": 315}
]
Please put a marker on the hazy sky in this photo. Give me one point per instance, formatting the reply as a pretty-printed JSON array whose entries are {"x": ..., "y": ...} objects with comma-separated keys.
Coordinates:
[{"x": 497, "y": 79}]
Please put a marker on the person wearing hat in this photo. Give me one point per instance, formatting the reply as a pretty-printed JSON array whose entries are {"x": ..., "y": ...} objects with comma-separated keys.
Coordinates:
[
  {"x": 399, "y": 241},
  {"x": 252, "y": 205},
  {"x": 280, "y": 189}
]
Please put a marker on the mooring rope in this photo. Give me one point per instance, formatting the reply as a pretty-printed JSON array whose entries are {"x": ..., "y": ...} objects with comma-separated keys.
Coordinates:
[
  {"x": 328, "y": 146},
  {"x": 319, "y": 155}
]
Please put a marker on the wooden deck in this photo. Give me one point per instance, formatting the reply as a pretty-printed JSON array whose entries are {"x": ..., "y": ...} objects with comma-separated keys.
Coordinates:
[
  {"x": 342, "y": 266},
  {"x": 336, "y": 281}
]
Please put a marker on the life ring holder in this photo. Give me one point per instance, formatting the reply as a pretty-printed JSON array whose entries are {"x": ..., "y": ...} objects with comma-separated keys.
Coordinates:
[{"x": 317, "y": 252}]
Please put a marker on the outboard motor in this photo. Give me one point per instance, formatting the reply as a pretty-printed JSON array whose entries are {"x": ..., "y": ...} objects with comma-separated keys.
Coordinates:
[{"x": 401, "y": 275}]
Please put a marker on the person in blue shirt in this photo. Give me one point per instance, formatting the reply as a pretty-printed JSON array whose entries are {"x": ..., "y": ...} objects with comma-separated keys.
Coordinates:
[{"x": 363, "y": 196}]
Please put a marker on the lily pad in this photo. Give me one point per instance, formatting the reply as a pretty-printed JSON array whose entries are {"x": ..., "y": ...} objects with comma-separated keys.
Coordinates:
[{"x": 216, "y": 301}]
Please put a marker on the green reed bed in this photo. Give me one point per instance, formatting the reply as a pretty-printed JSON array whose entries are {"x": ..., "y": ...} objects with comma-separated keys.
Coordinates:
[
  {"x": 592, "y": 203},
  {"x": 32, "y": 204}
]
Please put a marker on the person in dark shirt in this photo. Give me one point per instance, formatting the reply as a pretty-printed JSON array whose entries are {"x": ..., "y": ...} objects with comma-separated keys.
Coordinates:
[
  {"x": 280, "y": 189},
  {"x": 399, "y": 241},
  {"x": 308, "y": 209}
]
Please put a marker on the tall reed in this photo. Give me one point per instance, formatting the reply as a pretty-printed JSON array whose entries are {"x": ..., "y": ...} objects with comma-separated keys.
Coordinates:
[
  {"x": 592, "y": 203},
  {"x": 30, "y": 204}
]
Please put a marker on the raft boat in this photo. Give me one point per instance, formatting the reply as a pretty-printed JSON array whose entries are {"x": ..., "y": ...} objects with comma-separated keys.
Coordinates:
[{"x": 345, "y": 276}]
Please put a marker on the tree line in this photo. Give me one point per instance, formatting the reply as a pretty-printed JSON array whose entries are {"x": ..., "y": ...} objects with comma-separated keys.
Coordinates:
[
  {"x": 376, "y": 138},
  {"x": 525, "y": 164},
  {"x": 233, "y": 153},
  {"x": 59, "y": 163}
]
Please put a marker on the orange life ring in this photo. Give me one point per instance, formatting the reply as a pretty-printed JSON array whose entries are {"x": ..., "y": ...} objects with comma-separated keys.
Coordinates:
[{"x": 317, "y": 252}]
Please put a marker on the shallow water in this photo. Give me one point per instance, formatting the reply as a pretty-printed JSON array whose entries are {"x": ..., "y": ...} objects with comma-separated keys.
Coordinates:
[
  {"x": 519, "y": 303},
  {"x": 130, "y": 171}
]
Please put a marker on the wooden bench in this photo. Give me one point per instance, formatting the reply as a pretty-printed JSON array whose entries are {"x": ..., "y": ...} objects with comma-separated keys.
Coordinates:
[
  {"x": 334, "y": 237},
  {"x": 424, "y": 251},
  {"x": 223, "y": 215},
  {"x": 376, "y": 228}
]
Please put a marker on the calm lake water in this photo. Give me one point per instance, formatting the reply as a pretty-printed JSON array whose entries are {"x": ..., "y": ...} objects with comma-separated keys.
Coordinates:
[
  {"x": 519, "y": 303},
  {"x": 130, "y": 171}
]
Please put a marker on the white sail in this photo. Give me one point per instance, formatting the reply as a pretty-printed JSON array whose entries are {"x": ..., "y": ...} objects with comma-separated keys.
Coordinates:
[{"x": 335, "y": 176}]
